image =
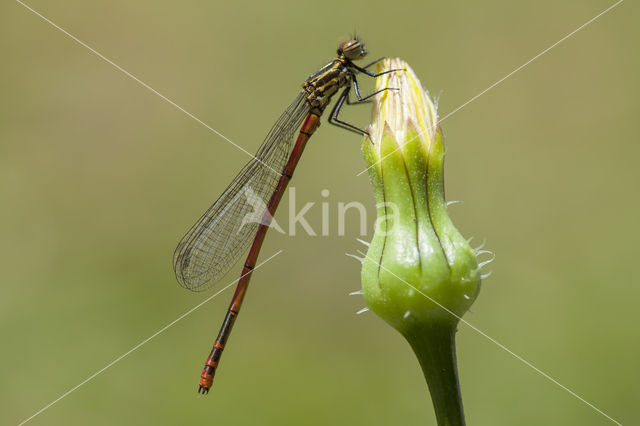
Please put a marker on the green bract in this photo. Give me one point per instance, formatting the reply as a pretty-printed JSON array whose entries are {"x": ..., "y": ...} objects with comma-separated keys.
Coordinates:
[{"x": 420, "y": 275}]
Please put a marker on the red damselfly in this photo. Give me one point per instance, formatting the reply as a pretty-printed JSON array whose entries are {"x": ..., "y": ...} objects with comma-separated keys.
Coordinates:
[{"x": 223, "y": 233}]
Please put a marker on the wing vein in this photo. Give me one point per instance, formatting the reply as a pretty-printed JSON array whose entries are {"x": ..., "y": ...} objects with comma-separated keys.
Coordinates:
[{"x": 221, "y": 235}]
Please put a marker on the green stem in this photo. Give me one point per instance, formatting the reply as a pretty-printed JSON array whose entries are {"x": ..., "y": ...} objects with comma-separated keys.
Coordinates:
[{"x": 435, "y": 348}]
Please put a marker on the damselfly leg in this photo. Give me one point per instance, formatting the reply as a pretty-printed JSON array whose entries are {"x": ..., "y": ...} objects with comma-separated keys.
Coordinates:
[
  {"x": 374, "y": 62},
  {"x": 333, "y": 117},
  {"x": 344, "y": 97}
]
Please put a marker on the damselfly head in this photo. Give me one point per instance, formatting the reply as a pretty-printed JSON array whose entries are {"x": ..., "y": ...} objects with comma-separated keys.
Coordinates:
[{"x": 353, "y": 49}]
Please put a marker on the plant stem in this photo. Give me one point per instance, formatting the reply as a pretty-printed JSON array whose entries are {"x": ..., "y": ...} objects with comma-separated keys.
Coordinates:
[{"x": 435, "y": 348}]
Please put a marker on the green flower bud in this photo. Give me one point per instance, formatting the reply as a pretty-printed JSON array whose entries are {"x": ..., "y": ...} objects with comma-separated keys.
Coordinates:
[{"x": 419, "y": 275}]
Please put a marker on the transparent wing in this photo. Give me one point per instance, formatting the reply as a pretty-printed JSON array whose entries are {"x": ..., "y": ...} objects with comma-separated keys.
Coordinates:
[{"x": 226, "y": 229}]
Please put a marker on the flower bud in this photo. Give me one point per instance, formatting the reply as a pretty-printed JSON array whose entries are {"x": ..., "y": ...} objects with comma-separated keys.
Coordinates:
[{"x": 420, "y": 275}]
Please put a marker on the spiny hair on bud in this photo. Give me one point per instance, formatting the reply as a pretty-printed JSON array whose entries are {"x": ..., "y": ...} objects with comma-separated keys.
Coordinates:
[
  {"x": 359, "y": 259},
  {"x": 436, "y": 100},
  {"x": 486, "y": 262},
  {"x": 363, "y": 242},
  {"x": 450, "y": 203},
  {"x": 481, "y": 246}
]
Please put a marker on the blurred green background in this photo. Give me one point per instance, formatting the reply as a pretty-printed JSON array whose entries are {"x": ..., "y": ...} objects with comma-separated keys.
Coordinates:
[{"x": 99, "y": 179}]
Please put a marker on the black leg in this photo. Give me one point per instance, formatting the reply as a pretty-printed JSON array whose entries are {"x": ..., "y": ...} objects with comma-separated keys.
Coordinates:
[
  {"x": 372, "y": 74},
  {"x": 349, "y": 102},
  {"x": 356, "y": 89},
  {"x": 374, "y": 62},
  {"x": 333, "y": 117}
]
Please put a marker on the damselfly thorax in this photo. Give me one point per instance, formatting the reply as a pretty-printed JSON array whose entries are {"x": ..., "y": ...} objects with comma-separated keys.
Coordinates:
[{"x": 321, "y": 86}]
